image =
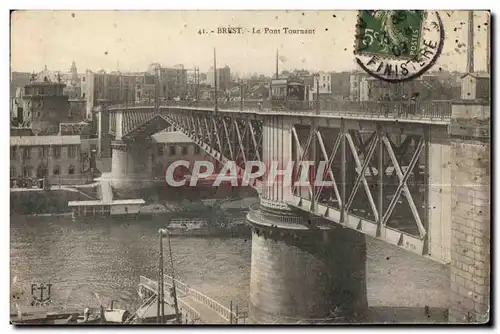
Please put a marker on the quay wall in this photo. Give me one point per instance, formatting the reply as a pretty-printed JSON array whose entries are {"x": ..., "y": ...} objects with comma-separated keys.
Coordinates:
[{"x": 42, "y": 201}]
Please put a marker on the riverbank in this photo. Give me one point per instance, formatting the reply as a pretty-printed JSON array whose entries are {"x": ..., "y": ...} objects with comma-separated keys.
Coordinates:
[{"x": 44, "y": 202}]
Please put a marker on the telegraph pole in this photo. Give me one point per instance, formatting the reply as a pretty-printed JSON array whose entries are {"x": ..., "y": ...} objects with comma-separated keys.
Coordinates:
[
  {"x": 488, "y": 43},
  {"x": 241, "y": 95},
  {"x": 317, "y": 94},
  {"x": 470, "y": 42},
  {"x": 215, "y": 81},
  {"x": 277, "y": 73}
]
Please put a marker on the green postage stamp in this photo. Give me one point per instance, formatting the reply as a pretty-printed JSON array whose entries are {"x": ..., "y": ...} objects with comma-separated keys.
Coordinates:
[
  {"x": 390, "y": 33},
  {"x": 398, "y": 45}
]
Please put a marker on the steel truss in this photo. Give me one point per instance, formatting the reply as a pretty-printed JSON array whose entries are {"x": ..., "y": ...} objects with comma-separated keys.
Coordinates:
[
  {"x": 361, "y": 197},
  {"x": 385, "y": 205},
  {"x": 225, "y": 138}
]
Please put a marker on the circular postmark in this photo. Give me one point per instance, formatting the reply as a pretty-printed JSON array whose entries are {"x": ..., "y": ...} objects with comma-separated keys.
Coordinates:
[{"x": 398, "y": 45}]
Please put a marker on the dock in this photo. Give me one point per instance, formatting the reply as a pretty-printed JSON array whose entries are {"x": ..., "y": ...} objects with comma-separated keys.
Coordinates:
[
  {"x": 106, "y": 206},
  {"x": 196, "y": 308}
]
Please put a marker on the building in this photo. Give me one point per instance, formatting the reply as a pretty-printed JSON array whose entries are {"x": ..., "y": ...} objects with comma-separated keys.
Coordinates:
[
  {"x": 340, "y": 85},
  {"x": 172, "y": 81},
  {"x": 145, "y": 88},
  {"x": 17, "y": 107},
  {"x": 72, "y": 81},
  {"x": 476, "y": 86},
  {"x": 354, "y": 82},
  {"x": 425, "y": 88},
  {"x": 170, "y": 147},
  {"x": 127, "y": 87},
  {"x": 44, "y": 103},
  {"x": 17, "y": 82},
  {"x": 223, "y": 78},
  {"x": 77, "y": 109},
  {"x": 102, "y": 86},
  {"x": 323, "y": 81},
  {"x": 56, "y": 158}
]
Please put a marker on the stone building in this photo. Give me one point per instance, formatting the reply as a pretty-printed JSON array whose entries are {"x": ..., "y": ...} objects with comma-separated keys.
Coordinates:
[
  {"x": 170, "y": 147},
  {"x": 45, "y": 105},
  {"x": 56, "y": 158},
  {"x": 223, "y": 78}
]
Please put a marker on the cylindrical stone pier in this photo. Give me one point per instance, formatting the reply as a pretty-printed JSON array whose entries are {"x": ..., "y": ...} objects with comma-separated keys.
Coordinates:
[
  {"x": 119, "y": 162},
  {"x": 300, "y": 275}
]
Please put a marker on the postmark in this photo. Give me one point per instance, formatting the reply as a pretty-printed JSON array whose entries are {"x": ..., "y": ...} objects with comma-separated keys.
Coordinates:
[{"x": 398, "y": 45}]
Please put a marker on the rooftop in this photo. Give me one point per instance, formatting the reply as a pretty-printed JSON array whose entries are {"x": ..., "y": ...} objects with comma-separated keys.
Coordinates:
[
  {"x": 44, "y": 140},
  {"x": 171, "y": 137}
]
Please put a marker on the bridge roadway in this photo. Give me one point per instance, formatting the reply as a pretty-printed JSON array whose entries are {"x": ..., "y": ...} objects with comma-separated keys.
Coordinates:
[{"x": 425, "y": 165}]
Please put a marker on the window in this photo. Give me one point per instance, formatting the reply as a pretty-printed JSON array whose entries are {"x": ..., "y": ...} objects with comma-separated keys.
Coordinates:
[
  {"x": 56, "y": 152},
  {"x": 71, "y": 169},
  {"x": 26, "y": 153},
  {"x": 56, "y": 170},
  {"x": 83, "y": 79},
  {"x": 196, "y": 149},
  {"x": 27, "y": 171},
  {"x": 13, "y": 152},
  {"x": 172, "y": 150},
  {"x": 71, "y": 151},
  {"x": 42, "y": 152},
  {"x": 83, "y": 95},
  {"x": 12, "y": 171},
  {"x": 160, "y": 150},
  {"x": 184, "y": 150}
]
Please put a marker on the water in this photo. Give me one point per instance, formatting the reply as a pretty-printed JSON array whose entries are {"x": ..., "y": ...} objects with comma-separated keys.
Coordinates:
[{"x": 93, "y": 262}]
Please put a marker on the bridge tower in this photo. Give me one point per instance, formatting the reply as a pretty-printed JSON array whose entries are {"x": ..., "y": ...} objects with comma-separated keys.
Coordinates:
[
  {"x": 131, "y": 162},
  {"x": 300, "y": 273},
  {"x": 470, "y": 202}
]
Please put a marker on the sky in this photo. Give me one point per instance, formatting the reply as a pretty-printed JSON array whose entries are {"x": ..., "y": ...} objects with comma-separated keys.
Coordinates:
[{"x": 131, "y": 40}]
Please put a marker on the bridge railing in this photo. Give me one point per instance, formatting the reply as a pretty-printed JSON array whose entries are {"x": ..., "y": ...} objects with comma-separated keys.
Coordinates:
[
  {"x": 212, "y": 304},
  {"x": 257, "y": 213},
  {"x": 438, "y": 110}
]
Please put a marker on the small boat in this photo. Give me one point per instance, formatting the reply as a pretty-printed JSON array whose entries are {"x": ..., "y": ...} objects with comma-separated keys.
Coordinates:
[
  {"x": 155, "y": 308},
  {"x": 188, "y": 227},
  {"x": 59, "y": 316}
]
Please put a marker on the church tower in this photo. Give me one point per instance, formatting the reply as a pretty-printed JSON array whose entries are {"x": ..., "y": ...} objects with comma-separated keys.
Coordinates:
[{"x": 74, "y": 73}]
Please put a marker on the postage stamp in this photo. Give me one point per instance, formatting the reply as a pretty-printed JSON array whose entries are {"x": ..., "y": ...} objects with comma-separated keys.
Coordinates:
[{"x": 398, "y": 45}]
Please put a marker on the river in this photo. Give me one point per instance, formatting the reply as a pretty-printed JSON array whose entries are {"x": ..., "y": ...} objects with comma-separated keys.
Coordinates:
[{"x": 92, "y": 262}]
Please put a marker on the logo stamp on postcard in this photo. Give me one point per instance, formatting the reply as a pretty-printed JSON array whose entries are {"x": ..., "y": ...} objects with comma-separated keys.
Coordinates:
[{"x": 398, "y": 45}]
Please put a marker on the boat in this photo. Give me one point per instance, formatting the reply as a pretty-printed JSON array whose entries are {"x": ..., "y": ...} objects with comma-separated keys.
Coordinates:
[
  {"x": 155, "y": 308},
  {"x": 53, "y": 315},
  {"x": 197, "y": 227},
  {"x": 127, "y": 208},
  {"x": 188, "y": 227}
]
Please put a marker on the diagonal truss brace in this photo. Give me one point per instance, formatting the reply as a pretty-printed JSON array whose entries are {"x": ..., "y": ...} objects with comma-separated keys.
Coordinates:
[
  {"x": 361, "y": 176},
  {"x": 329, "y": 160},
  {"x": 402, "y": 184}
]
